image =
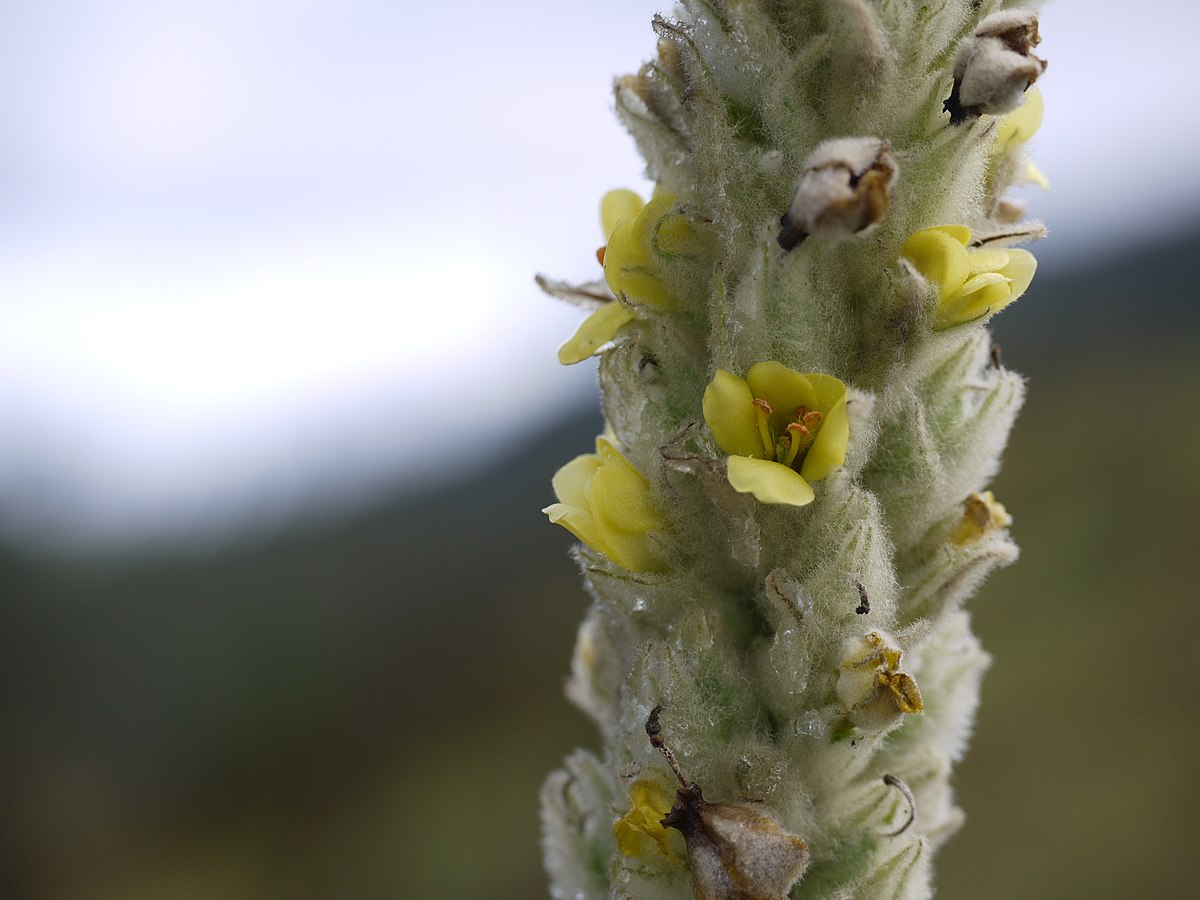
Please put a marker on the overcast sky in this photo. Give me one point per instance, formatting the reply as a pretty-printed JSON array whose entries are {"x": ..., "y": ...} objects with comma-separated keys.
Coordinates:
[{"x": 255, "y": 254}]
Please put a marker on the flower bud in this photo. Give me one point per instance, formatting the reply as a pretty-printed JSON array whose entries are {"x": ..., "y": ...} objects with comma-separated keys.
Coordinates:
[
  {"x": 608, "y": 504},
  {"x": 843, "y": 190},
  {"x": 995, "y": 66}
]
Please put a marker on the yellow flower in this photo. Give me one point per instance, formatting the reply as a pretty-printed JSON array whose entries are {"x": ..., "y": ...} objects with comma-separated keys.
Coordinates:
[
  {"x": 594, "y": 332},
  {"x": 633, "y": 245},
  {"x": 605, "y": 502},
  {"x": 971, "y": 283},
  {"x": 639, "y": 832},
  {"x": 1017, "y": 128},
  {"x": 617, "y": 206},
  {"x": 981, "y": 514},
  {"x": 639, "y": 235},
  {"x": 781, "y": 429},
  {"x": 1021, "y": 124}
]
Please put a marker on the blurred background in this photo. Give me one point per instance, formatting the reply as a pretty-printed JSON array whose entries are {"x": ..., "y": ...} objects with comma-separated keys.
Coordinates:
[{"x": 279, "y": 404}]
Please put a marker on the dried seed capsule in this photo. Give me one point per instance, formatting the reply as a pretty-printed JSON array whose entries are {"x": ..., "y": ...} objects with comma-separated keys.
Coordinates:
[
  {"x": 735, "y": 852},
  {"x": 995, "y": 66},
  {"x": 844, "y": 190}
]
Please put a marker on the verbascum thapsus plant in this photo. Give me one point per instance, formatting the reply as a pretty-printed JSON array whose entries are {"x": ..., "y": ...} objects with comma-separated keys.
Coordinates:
[{"x": 788, "y": 507}]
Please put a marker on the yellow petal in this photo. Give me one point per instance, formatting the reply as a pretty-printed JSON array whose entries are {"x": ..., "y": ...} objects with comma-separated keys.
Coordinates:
[
  {"x": 990, "y": 286},
  {"x": 785, "y": 389},
  {"x": 960, "y": 233},
  {"x": 624, "y": 512},
  {"x": 828, "y": 451},
  {"x": 982, "y": 513},
  {"x": 624, "y": 250},
  {"x": 730, "y": 414},
  {"x": 594, "y": 332},
  {"x": 577, "y": 521},
  {"x": 769, "y": 482},
  {"x": 606, "y": 503},
  {"x": 829, "y": 390},
  {"x": 573, "y": 511},
  {"x": 676, "y": 237},
  {"x": 570, "y": 481},
  {"x": 1034, "y": 175},
  {"x": 940, "y": 257},
  {"x": 640, "y": 286},
  {"x": 1022, "y": 123},
  {"x": 628, "y": 259},
  {"x": 988, "y": 292},
  {"x": 650, "y": 218},
  {"x": 640, "y": 833},
  {"x": 617, "y": 205},
  {"x": 987, "y": 259},
  {"x": 1021, "y": 266},
  {"x": 983, "y": 295},
  {"x": 621, "y": 493}
]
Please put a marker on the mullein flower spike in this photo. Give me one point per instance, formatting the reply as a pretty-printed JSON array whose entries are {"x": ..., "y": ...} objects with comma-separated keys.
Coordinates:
[{"x": 789, "y": 507}]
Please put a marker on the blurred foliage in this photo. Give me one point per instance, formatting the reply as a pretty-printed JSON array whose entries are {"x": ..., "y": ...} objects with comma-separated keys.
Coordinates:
[{"x": 345, "y": 710}]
